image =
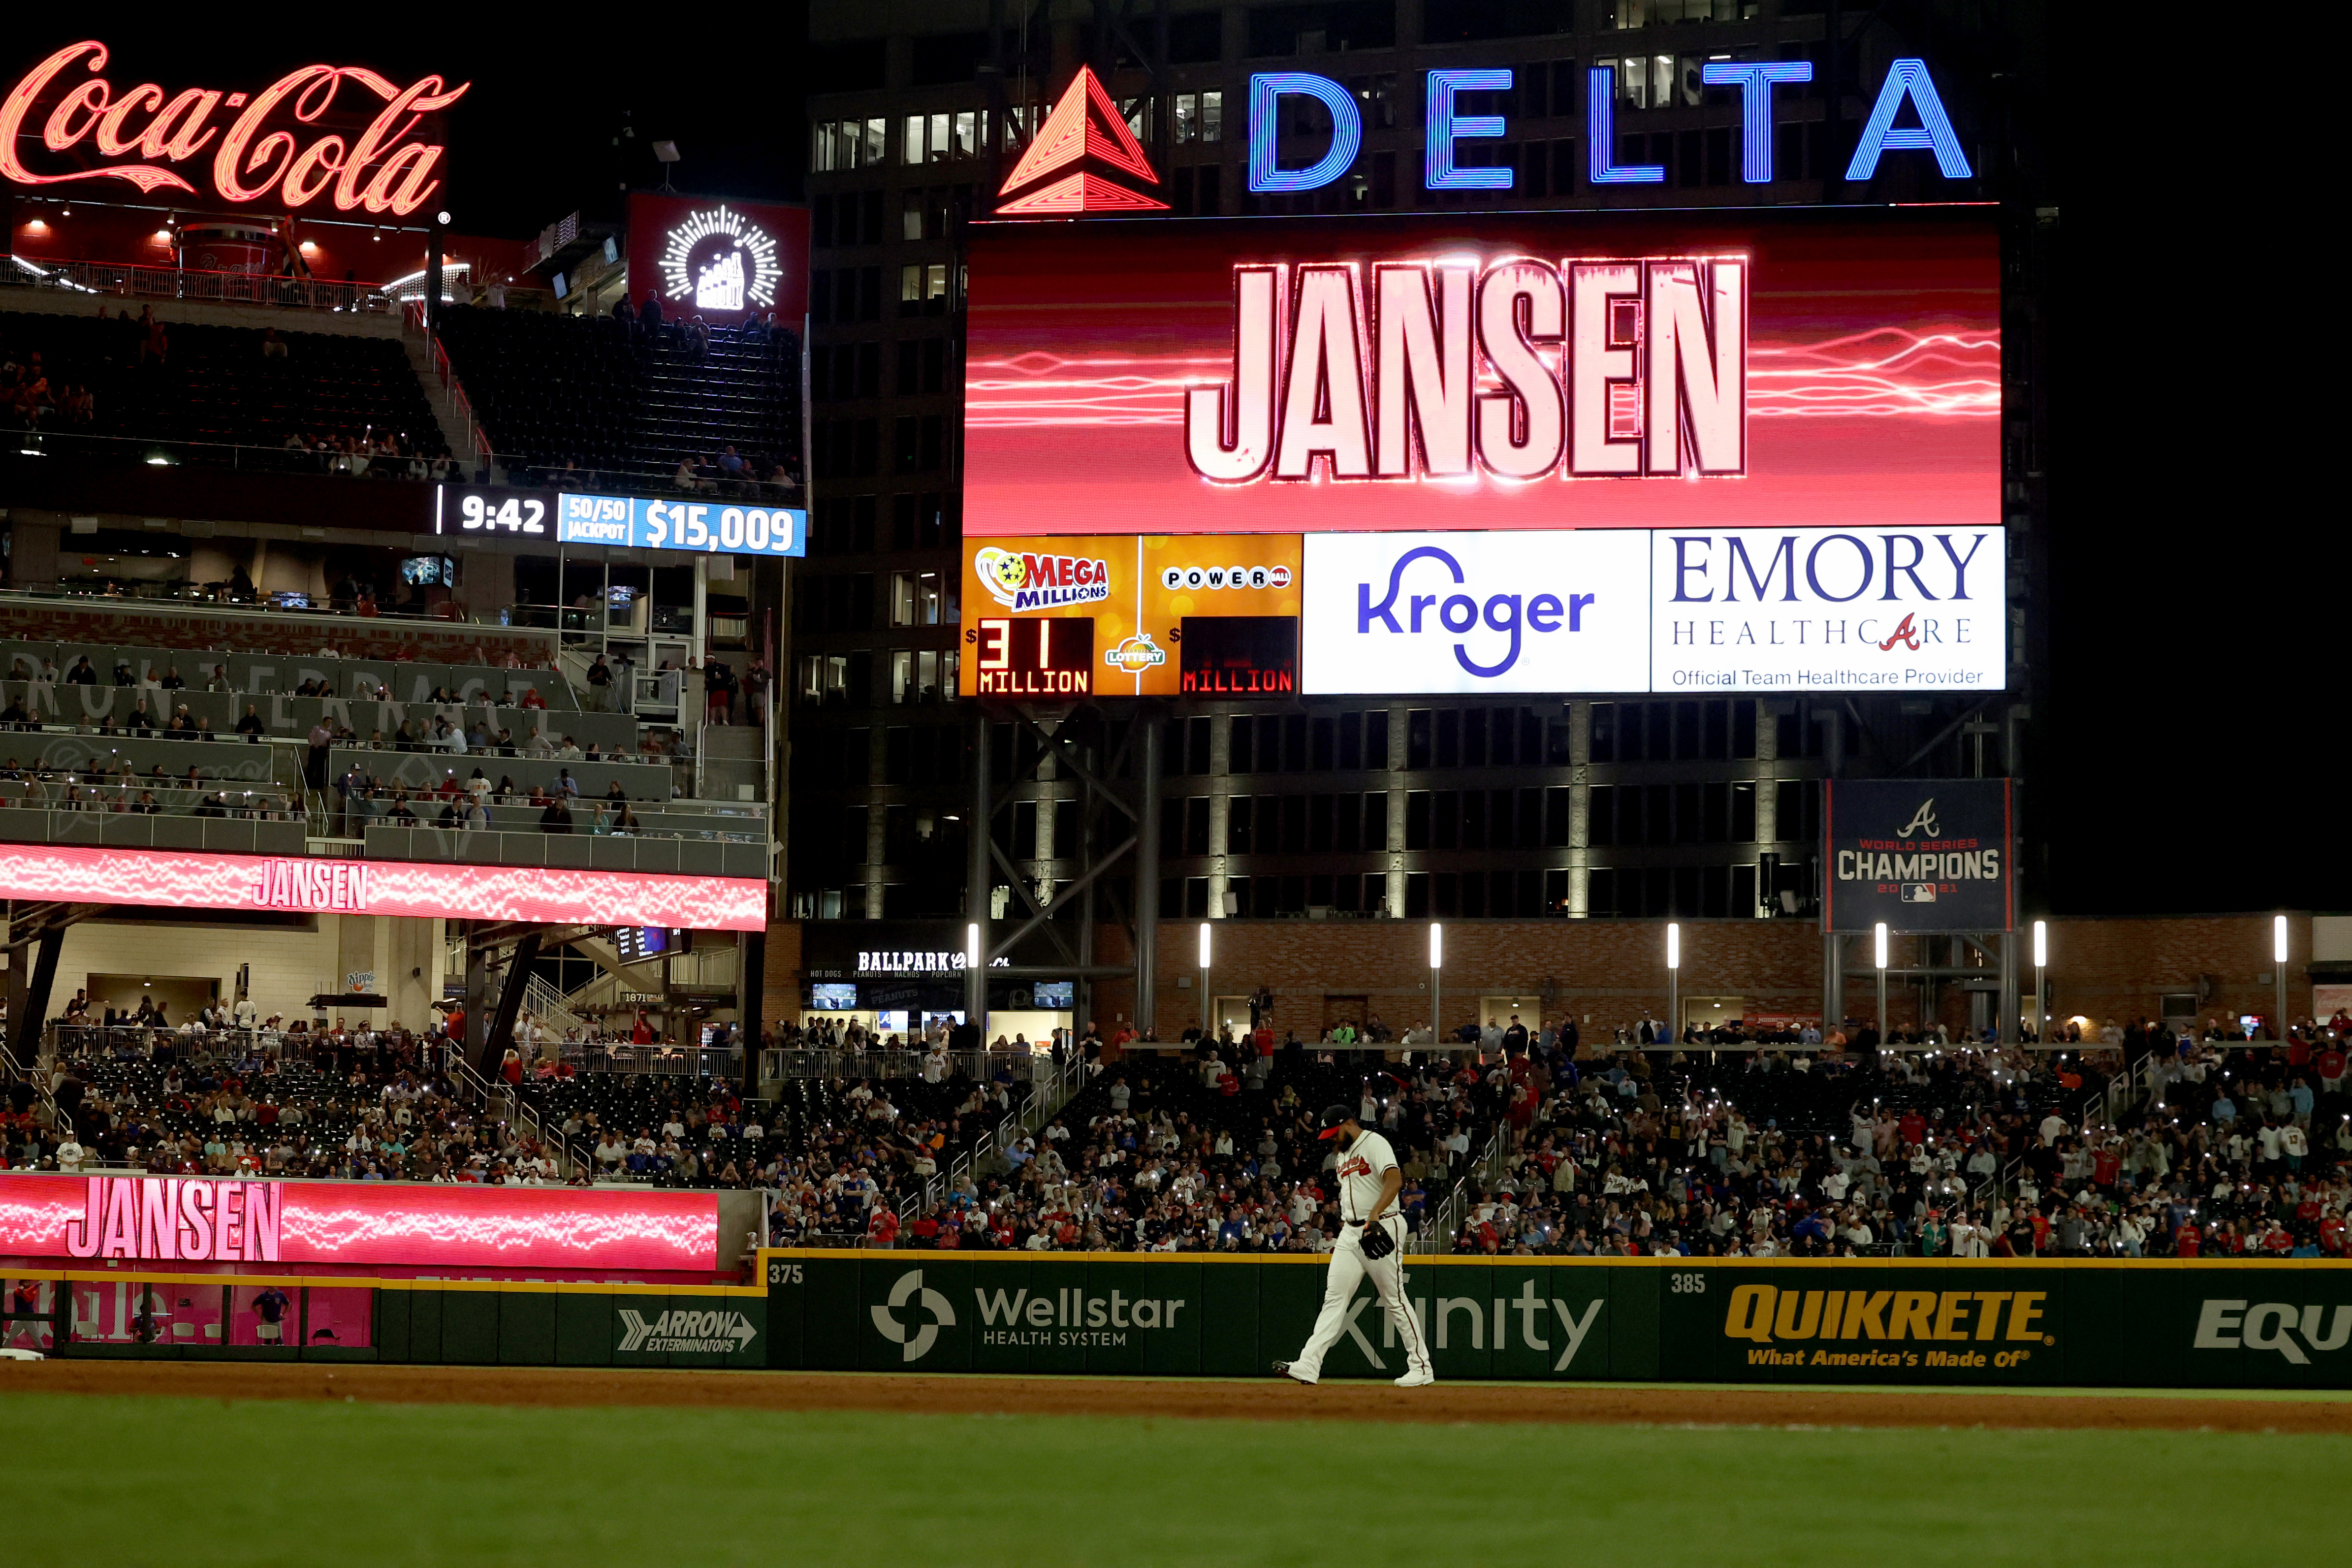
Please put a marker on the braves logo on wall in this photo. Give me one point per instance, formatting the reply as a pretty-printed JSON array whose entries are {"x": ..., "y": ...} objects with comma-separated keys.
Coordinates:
[{"x": 1924, "y": 854}]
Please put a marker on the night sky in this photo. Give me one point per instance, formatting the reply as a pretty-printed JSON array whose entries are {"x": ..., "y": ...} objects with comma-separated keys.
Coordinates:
[{"x": 2189, "y": 756}]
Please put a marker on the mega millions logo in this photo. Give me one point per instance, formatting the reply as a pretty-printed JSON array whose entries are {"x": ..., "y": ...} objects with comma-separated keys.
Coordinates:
[
  {"x": 1027, "y": 580},
  {"x": 721, "y": 261}
]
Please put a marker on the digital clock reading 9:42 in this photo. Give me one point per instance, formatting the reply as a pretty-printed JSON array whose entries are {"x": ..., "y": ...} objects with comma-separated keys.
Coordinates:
[{"x": 1047, "y": 656}]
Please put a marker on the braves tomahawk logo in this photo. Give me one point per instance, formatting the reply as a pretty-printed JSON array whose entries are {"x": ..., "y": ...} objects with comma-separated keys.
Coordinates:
[
  {"x": 1922, "y": 821},
  {"x": 915, "y": 1343}
]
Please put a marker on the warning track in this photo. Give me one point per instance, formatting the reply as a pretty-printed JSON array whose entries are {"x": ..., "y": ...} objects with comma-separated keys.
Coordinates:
[{"x": 1199, "y": 1398}]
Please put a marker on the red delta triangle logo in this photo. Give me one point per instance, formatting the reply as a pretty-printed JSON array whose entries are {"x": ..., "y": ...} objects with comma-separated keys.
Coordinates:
[{"x": 1085, "y": 126}]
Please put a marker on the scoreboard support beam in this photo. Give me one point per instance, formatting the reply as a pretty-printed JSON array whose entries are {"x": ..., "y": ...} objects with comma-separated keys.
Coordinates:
[{"x": 1147, "y": 877}]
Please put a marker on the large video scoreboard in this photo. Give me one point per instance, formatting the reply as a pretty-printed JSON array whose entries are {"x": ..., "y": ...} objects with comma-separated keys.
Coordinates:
[{"x": 1604, "y": 452}]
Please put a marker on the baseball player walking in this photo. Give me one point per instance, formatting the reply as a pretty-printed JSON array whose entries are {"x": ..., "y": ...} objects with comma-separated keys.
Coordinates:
[{"x": 1370, "y": 1178}]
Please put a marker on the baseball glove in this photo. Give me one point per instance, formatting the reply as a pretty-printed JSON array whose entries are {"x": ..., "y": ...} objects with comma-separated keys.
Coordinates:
[{"x": 1378, "y": 1242}]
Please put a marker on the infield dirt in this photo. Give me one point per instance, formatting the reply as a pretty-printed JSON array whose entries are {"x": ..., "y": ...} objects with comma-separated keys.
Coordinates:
[{"x": 1271, "y": 1400}]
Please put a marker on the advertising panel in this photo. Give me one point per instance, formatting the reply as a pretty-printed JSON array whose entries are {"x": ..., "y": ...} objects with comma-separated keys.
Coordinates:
[
  {"x": 633, "y": 523},
  {"x": 1475, "y": 612},
  {"x": 1783, "y": 369},
  {"x": 355, "y": 1223},
  {"x": 166, "y": 879},
  {"x": 304, "y": 141},
  {"x": 1921, "y": 855},
  {"x": 1128, "y": 615},
  {"x": 1824, "y": 609},
  {"x": 719, "y": 260},
  {"x": 1910, "y": 1321},
  {"x": 697, "y": 527}
]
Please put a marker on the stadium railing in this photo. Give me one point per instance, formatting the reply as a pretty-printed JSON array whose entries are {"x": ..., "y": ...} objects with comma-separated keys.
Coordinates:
[
  {"x": 193, "y": 283},
  {"x": 1047, "y": 1095},
  {"x": 672, "y": 1061}
]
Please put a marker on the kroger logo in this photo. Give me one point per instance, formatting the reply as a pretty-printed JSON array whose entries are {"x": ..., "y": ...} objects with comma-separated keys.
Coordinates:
[{"x": 1496, "y": 625}]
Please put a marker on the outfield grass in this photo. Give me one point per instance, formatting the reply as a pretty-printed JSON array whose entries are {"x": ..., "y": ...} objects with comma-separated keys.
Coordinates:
[{"x": 187, "y": 1482}]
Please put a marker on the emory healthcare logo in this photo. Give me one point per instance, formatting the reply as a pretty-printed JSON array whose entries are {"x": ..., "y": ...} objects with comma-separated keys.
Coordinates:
[
  {"x": 714, "y": 1333},
  {"x": 915, "y": 1343}
]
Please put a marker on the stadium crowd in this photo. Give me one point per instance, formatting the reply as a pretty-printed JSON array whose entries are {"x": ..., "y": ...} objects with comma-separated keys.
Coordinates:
[{"x": 1549, "y": 1146}]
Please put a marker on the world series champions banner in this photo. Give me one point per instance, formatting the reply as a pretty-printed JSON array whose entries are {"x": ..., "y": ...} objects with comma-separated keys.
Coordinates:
[{"x": 1924, "y": 855}]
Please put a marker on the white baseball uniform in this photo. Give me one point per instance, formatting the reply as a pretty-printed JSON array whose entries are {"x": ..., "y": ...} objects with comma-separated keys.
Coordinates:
[{"x": 1362, "y": 1168}]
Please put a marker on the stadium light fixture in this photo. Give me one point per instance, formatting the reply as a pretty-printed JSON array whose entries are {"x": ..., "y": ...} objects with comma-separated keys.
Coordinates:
[
  {"x": 1673, "y": 981},
  {"x": 2278, "y": 972},
  {"x": 1436, "y": 982},
  {"x": 2041, "y": 977},
  {"x": 1878, "y": 937},
  {"x": 971, "y": 946},
  {"x": 1208, "y": 1027}
]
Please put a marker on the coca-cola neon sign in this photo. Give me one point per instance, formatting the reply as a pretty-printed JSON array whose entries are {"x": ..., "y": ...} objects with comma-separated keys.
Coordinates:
[{"x": 266, "y": 152}]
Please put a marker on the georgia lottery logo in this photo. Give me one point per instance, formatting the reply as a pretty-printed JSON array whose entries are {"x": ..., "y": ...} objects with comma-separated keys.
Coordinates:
[
  {"x": 1209, "y": 579},
  {"x": 1026, "y": 580},
  {"x": 1136, "y": 655}
]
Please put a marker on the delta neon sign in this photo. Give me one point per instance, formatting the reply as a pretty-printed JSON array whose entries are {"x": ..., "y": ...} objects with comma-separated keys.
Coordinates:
[
  {"x": 1616, "y": 368},
  {"x": 207, "y": 1220},
  {"x": 265, "y": 151},
  {"x": 1907, "y": 82}
]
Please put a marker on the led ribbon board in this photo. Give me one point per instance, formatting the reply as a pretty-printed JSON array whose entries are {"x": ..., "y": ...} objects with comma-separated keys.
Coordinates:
[
  {"x": 154, "y": 1219},
  {"x": 162, "y": 878}
]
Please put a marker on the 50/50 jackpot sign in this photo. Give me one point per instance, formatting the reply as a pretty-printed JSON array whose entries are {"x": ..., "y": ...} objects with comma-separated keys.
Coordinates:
[
  {"x": 700, "y": 526},
  {"x": 629, "y": 522}
]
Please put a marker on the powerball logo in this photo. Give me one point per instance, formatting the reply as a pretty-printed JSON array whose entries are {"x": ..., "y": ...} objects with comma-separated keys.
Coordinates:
[{"x": 1022, "y": 580}]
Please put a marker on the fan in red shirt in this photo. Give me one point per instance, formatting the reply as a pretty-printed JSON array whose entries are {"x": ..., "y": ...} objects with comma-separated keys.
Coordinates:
[
  {"x": 2106, "y": 1166},
  {"x": 2331, "y": 1236},
  {"x": 882, "y": 1230},
  {"x": 2187, "y": 1241},
  {"x": 1914, "y": 1128},
  {"x": 926, "y": 1231}
]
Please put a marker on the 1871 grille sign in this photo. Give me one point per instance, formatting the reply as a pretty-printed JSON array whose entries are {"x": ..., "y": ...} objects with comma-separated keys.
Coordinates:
[{"x": 1921, "y": 855}]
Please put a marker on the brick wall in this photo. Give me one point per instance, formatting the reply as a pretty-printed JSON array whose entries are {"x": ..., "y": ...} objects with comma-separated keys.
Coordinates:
[{"x": 1608, "y": 972}]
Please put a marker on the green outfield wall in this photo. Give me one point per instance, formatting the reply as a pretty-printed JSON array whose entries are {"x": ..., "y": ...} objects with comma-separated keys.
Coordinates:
[
  {"x": 208, "y": 1317},
  {"x": 2156, "y": 1324}
]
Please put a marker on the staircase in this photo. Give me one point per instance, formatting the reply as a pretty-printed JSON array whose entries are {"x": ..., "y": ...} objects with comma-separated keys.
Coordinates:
[
  {"x": 549, "y": 1006},
  {"x": 444, "y": 396},
  {"x": 734, "y": 763}
]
